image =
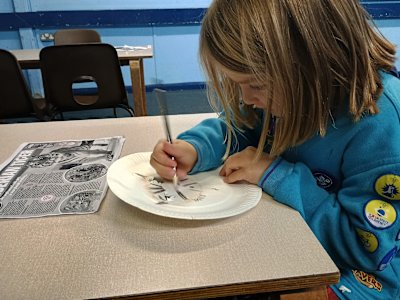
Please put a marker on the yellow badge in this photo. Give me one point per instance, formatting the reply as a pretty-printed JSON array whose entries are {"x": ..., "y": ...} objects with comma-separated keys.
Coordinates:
[
  {"x": 367, "y": 280},
  {"x": 369, "y": 240},
  {"x": 380, "y": 214},
  {"x": 388, "y": 186}
]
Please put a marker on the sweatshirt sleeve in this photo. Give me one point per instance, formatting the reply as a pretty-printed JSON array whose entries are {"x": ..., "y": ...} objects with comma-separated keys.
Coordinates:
[
  {"x": 358, "y": 224},
  {"x": 209, "y": 138}
]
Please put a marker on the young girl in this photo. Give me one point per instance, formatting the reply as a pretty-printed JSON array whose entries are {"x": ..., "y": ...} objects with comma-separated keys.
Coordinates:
[{"x": 311, "y": 115}]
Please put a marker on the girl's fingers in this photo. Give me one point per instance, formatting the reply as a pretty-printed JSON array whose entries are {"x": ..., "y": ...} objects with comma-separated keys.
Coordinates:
[
  {"x": 164, "y": 171},
  {"x": 235, "y": 176},
  {"x": 165, "y": 158},
  {"x": 232, "y": 164},
  {"x": 233, "y": 170},
  {"x": 162, "y": 157}
]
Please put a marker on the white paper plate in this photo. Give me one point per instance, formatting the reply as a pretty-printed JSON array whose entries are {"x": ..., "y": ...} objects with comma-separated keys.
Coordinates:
[{"x": 133, "y": 180}]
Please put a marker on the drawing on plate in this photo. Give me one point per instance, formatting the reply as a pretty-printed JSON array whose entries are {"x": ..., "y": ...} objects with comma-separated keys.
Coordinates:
[{"x": 164, "y": 192}]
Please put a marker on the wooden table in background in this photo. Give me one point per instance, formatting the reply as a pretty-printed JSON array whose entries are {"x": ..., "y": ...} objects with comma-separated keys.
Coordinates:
[
  {"x": 29, "y": 59},
  {"x": 121, "y": 251}
]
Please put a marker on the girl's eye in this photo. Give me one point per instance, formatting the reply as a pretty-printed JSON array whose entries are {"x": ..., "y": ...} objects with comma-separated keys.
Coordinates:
[{"x": 257, "y": 87}]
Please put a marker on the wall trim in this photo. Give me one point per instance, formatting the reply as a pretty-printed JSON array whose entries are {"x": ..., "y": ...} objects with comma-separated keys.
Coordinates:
[
  {"x": 139, "y": 18},
  {"x": 101, "y": 18},
  {"x": 174, "y": 86},
  {"x": 181, "y": 86}
]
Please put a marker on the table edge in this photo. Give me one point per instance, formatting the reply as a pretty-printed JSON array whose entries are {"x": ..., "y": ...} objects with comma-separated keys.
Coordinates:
[{"x": 268, "y": 286}]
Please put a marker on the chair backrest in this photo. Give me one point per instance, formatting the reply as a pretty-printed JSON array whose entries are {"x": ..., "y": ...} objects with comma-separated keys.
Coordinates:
[
  {"x": 15, "y": 98},
  {"x": 66, "y": 65},
  {"x": 76, "y": 36}
]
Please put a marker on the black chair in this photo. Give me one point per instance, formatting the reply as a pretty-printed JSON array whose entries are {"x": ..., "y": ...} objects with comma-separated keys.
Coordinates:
[
  {"x": 67, "y": 66},
  {"x": 76, "y": 36},
  {"x": 15, "y": 98}
]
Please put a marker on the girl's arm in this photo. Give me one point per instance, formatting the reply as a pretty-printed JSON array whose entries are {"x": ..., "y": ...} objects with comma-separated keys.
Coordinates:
[
  {"x": 209, "y": 138},
  {"x": 358, "y": 224}
]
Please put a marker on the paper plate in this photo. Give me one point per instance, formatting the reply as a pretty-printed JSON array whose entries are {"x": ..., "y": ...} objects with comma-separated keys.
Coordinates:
[{"x": 133, "y": 180}]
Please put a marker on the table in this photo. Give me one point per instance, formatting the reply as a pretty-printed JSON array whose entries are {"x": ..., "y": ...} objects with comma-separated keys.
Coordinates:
[
  {"x": 29, "y": 59},
  {"x": 123, "y": 251}
]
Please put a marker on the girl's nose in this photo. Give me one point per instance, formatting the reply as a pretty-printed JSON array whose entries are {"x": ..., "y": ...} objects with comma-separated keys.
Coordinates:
[{"x": 247, "y": 95}]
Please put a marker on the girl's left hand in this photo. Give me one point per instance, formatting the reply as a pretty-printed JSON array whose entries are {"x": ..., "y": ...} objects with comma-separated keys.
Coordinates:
[{"x": 243, "y": 166}]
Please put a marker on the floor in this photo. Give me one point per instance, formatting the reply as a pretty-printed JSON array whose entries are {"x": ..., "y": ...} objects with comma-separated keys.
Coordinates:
[{"x": 178, "y": 102}]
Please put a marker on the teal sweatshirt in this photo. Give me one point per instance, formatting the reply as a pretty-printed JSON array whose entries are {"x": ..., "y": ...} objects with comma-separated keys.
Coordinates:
[{"x": 346, "y": 186}]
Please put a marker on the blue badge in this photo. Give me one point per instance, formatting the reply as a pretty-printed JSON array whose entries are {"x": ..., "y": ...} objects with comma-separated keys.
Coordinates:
[
  {"x": 324, "y": 180},
  {"x": 387, "y": 259}
]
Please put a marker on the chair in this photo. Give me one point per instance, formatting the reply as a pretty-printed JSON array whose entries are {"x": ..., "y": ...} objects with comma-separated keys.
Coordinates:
[
  {"x": 15, "y": 98},
  {"x": 63, "y": 67},
  {"x": 76, "y": 36}
]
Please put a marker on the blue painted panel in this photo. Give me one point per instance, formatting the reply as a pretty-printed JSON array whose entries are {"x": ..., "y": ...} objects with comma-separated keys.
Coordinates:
[
  {"x": 10, "y": 40},
  {"x": 30, "y": 41},
  {"x": 22, "y": 5},
  {"x": 390, "y": 29},
  {"x": 43, "y": 5},
  {"x": 6, "y": 6},
  {"x": 132, "y": 36},
  {"x": 176, "y": 54}
]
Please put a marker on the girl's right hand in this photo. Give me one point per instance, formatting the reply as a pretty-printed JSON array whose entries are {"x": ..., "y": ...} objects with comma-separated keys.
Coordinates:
[{"x": 185, "y": 157}]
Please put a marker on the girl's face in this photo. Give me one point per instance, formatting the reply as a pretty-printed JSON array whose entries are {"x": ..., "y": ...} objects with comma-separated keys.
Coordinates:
[{"x": 254, "y": 92}]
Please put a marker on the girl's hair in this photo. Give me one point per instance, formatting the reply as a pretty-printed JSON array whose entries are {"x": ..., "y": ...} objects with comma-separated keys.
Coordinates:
[{"x": 316, "y": 57}]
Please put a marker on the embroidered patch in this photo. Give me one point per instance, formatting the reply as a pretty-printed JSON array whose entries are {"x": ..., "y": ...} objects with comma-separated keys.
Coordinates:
[
  {"x": 387, "y": 259},
  {"x": 367, "y": 280},
  {"x": 388, "y": 186},
  {"x": 324, "y": 180},
  {"x": 380, "y": 214},
  {"x": 368, "y": 240}
]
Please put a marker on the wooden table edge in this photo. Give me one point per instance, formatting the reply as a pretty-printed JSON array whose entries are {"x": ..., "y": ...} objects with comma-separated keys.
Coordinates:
[{"x": 269, "y": 286}]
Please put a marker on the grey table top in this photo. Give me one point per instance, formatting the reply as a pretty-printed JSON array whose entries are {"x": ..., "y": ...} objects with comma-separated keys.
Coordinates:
[{"x": 123, "y": 251}]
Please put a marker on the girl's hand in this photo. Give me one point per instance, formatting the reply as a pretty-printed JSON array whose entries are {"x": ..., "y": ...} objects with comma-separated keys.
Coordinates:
[
  {"x": 243, "y": 166},
  {"x": 185, "y": 158}
]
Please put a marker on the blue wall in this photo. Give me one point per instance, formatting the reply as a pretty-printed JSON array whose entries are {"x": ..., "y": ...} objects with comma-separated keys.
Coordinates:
[{"x": 171, "y": 27}]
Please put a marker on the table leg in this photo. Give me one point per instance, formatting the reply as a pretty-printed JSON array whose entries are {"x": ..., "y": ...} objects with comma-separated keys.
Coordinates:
[{"x": 138, "y": 87}]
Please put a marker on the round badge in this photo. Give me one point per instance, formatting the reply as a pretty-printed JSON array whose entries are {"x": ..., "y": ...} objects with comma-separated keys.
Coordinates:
[
  {"x": 380, "y": 214},
  {"x": 369, "y": 240},
  {"x": 324, "y": 180},
  {"x": 388, "y": 186},
  {"x": 387, "y": 259}
]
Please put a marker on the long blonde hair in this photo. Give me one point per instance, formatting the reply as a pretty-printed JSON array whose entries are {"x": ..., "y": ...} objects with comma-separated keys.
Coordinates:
[{"x": 316, "y": 56}]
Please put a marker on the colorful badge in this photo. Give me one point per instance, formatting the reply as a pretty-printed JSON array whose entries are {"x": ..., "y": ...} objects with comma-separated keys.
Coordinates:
[
  {"x": 368, "y": 240},
  {"x": 388, "y": 186},
  {"x": 324, "y": 180},
  {"x": 387, "y": 259},
  {"x": 380, "y": 214},
  {"x": 367, "y": 280}
]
